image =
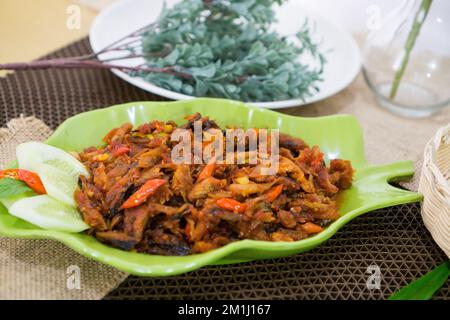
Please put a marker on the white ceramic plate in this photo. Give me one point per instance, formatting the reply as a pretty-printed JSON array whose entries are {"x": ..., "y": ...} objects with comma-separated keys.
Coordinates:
[{"x": 126, "y": 16}]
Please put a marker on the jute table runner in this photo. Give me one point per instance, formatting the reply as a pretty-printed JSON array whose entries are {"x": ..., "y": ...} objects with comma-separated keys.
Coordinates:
[
  {"x": 393, "y": 239},
  {"x": 41, "y": 269}
]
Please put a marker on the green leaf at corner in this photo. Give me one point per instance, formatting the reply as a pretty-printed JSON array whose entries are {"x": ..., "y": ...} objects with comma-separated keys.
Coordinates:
[
  {"x": 424, "y": 287},
  {"x": 11, "y": 187}
]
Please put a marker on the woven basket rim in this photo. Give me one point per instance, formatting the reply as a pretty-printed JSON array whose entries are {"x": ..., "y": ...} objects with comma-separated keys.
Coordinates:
[{"x": 435, "y": 187}]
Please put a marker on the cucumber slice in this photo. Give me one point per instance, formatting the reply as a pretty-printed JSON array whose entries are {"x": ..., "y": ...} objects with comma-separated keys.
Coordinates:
[
  {"x": 58, "y": 185},
  {"x": 48, "y": 213},
  {"x": 58, "y": 170},
  {"x": 31, "y": 155}
]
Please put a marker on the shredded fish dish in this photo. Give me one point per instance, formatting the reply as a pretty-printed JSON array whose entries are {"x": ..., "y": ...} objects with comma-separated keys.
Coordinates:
[{"x": 138, "y": 199}]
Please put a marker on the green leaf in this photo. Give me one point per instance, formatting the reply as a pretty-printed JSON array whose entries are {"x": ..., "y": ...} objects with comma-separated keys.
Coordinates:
[
  {"x": 204, "y": 72},
  {"x": 11, "y": 187},
  {"x": 187, "y": 89},
  {"x": 200, "y": 88},
  {"x": 172, "y": 58},
  {"x": 424, "y": 287},
  {"x": 166, "y": 81}
]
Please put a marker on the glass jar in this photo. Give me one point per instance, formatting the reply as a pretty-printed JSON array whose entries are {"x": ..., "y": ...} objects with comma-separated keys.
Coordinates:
[{"x": 423, "y": 87}]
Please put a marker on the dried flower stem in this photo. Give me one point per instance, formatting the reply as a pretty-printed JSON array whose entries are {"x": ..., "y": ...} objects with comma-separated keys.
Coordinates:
[
  {"x": 92, "y": 61},
  {"x": 74, "y": 63}
]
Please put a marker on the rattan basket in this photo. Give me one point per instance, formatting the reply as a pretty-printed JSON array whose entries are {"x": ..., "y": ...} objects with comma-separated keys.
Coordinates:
[{"x": 435, "y": 186}]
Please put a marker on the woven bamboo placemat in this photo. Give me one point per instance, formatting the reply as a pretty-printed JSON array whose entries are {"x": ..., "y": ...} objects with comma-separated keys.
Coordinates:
[{"x": 393, "y": 240}]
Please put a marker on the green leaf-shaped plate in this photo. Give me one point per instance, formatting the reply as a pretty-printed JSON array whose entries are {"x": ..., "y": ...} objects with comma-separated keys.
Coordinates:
[{"x": 338, "y": 136}]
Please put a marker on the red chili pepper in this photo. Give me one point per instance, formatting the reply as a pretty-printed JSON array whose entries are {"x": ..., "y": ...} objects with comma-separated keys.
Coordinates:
[
  {"x": 207, "y": 170},
  {"x": 189, "y": 229},
  {"x": 231, "y": 204},
  {"x": 143, "y": 193},
  {"x": 144, "y": 129},
  {"x": 159, "y": 126},
  {"x": 30, "y": 178},
  {"x": 10, "y": 173},
  {"x": 119, "y": 149},
  {"x": 318, "y": 160},
  {"x": 273, "y": 193},
  {"x": 109, "y": 135}
]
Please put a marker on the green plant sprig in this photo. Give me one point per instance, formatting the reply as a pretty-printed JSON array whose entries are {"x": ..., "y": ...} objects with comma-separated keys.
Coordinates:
[{"x": 226, "y": 49}]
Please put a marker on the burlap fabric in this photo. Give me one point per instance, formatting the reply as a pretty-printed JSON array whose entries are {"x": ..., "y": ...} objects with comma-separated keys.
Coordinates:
[
  {"x": 40, "y": 269},
  {"x": 393, "y": 239}
]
